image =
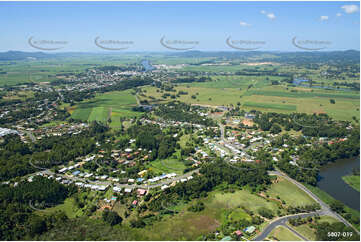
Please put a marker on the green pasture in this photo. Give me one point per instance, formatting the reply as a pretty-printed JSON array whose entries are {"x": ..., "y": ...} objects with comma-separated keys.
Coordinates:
[
  {"x": 113, "y": 105},
  {"x": 353, "y": 181},
  {"x": 283, "y": 234},
  {"x": 291, "y": 194}
]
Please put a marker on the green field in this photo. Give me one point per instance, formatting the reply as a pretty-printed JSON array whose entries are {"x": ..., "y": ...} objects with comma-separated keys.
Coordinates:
[
  {"x": 104, "y": 106},
  {"x": 282, "y": 233},
  {"x": 353, "y": 181},
  {"x": 53, "y": 69},
  {"x": 238, "y": 214},
  {"x": 307, "y": 231},
  {"x": 242, "y": 198},
  {"x": 230, "y": 90},
  {"x": 68, "y": 207},
  {"x": 219, "y": 207},
  {"x": 292, "y": 195},
  {"x": 270, "y": 106},
  {"x": 167, "y": 166}
]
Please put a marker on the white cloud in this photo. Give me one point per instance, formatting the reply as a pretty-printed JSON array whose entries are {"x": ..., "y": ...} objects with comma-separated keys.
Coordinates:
[
  {"x": 271, "y": 16},
  {"x": 324, "y": 18},
  {"x": 263, "y": 12},
  {"x": 338, "y": 14},
  {"x": 244, "y": 24},
  {"x": 350, "y": 8}
]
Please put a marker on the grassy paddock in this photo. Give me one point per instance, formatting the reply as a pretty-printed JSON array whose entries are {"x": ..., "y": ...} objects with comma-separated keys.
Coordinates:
[
  {"x": 292, "y": 195},
  {"x": 271, "y": 106},
  {"x": 113, "y": 105},
  {"x": 168, "y": 166},
  {"x": 353, "y": 181},
  {"x": 283, "y": 234},
  {"x": 310, "y": 233}
]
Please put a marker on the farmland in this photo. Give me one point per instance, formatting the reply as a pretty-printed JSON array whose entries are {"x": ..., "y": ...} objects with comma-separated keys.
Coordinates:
[
  {"x": 225, "y": 91},
  {"x": 207, "y": 199},
  {"x": 113, "y": 105}
]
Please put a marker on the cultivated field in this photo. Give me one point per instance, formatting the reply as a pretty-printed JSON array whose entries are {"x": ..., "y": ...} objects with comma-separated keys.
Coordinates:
[
  {"x": 113, "y": 105},
  {"x": 258, "y": 93}
]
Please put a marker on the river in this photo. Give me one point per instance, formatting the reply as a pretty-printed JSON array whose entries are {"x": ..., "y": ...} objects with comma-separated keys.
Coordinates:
[
  {"x": 332, "y": 183},
  {"x": 305, "y": 83},
  {"x": 147, "y": 66}
]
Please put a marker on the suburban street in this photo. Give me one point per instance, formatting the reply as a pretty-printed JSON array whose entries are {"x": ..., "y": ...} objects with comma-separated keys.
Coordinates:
[
  {"x": 325, "y": 209},
  {"x": 281, "y": 221},
  {"x": 133, "y": 186}
]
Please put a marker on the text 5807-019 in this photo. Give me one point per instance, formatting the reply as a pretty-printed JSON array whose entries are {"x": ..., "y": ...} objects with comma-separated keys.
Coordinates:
[{"x": 339, "y": 234}]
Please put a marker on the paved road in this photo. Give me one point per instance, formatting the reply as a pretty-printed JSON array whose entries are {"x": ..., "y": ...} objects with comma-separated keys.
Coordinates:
[
  {"x": 133, "y": 186},
  {"x": 296, "y": 233},
  {"x": 325, "y": 209},
  {"x": 282, "y": 222}
]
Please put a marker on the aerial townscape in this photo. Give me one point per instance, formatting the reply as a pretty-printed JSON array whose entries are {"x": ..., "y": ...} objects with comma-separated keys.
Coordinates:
[{"x": 178, "y": 142}]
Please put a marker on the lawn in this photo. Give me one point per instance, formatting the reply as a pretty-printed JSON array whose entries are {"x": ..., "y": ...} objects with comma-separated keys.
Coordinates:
[
  {"x": 283, "y": 234},
  {"x": 353, "y": 181},
  {"x": 167, "y": 166},
  {"x": 327, "y": 219},
  {"x": 292, "y": 195},
  {"x": 305, "y": 230}
]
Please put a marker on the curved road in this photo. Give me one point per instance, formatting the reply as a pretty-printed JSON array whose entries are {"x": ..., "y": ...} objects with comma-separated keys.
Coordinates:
[
  {"x": 282, "y": 222},
  {"x": 325, "y": 209}
]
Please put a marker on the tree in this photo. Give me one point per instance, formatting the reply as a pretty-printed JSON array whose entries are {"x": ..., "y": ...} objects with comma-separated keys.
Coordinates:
[
  {"x": 275, "y": 129},
  {"x": 199, "y": 206},
  {"x": 265, "y": 212},
  {"x": 337, "y": 206},
  {"x": 111, "y": 217},
  {"x": 36, "y": 225},
  {"x": 332, "y": 101}
]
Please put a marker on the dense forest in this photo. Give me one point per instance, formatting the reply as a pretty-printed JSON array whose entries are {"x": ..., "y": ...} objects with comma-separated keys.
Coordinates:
[
  {"x": 182, "y": 112},
  {"x": 18, "y": 203}
]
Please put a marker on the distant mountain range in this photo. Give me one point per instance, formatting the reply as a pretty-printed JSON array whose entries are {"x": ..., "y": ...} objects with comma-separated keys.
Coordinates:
[{"x": 348, "y": 56}]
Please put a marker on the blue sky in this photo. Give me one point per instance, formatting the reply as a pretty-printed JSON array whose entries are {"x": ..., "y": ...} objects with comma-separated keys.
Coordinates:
[{"x": 207, "y": 23}]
